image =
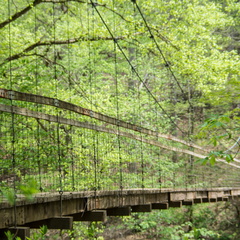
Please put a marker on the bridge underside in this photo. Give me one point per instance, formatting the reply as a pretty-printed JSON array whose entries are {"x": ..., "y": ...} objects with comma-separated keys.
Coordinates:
[{"x": 58, "y": 211}]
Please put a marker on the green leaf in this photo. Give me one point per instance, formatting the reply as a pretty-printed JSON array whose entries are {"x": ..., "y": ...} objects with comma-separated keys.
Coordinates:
[
  {"x": 212, "y": 160},
  {"x": 202, "y": 161},
  {"x": 29, "y": 189},
  {"x": 229, "y": 158}
]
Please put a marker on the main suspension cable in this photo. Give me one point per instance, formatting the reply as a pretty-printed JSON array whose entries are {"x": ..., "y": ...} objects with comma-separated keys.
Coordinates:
[
  {"x": 159, "y": 49},
  {"x": 134, "y": 69}
]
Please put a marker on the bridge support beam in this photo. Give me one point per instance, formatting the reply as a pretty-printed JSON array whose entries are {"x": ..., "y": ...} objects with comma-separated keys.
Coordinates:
[
  {"x": 197, "y": 200},
  {"x": 230, "y": 197},
  {"x": 119, "y": 211},
  {"x": 159, "y": 205},
  {"x": 187, "y": 202},
  {"x": 142, "y": 208},
  {"x": 175, "y": 204},
  {"x": 22, "y": 232},
  {"x": 91, "y": 216},
  {"x": 205, "y": 200},
  {"x": 53, "y": 223}
]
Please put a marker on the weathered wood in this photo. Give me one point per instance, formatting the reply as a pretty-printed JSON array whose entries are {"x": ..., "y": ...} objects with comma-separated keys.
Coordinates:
[
  {"x": 48, "y": 205},
  {"x": 175, "y": 204},
  {"x": 197, "y": 200},
  {"x": 230, "y": 197},
  {"x": 159, "y": 205},
  {"x": 15, "y": 95},
  {"x": 91, "y": 216},
  {"x": 52, "y": 118},
  {"x": 142, "y": 208},
  {"x": 119, "y": 211},
  {"x": 182, "y": 195},
  {"x": 47, "y": 117},
  {"x": 187, "y": 202},
  {"x": 53, "y": 223}
]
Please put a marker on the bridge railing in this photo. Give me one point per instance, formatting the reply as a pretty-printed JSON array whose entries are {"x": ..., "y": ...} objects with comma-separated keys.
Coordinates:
[{"x": 47, "y": 149}]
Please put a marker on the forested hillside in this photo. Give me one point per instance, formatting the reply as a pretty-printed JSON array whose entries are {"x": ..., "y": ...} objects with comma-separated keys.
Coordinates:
[{"x": 168, "y": 70}]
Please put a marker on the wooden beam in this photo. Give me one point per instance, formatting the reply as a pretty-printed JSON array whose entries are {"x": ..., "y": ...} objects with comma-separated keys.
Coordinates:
[
  {"x": 142, "y": 208},
  {"x": 205, "y": 200},
  {"x": 159, "y": 205},
  {"x": 230, "y": 197},
  {"x": 119, "y": 211},
  {"x": 197, "y": 200},
  {"x": 52, "y": 118},
  {"x": 28, "y": 97},
  {"x": 91, "y": 216},
  {"x": 175, "y": 204},
  {"x": 53, "y": 223},
  {"x": 187, "y": 202}
]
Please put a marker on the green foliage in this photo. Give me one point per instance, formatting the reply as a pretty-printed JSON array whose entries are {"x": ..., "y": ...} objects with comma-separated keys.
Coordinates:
[
  {"x": 40, "y": 235},
  {"x": 29, "y": 189},
  {"x": 64, "y": 51},
  {"x": 10, "y": 195},
  {"x": 205, "y": 221},
  {"x": 213, "y": 156}
]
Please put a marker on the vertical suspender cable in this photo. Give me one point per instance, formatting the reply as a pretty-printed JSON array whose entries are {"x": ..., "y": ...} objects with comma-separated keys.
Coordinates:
[
  {"x": 58, "y": 124},
  {"x": 133, "y": 68},
  {"x": 12, "y": 115},
  {"x": 70, "y": 88},
  {"x": 117, "y": 103},
  {"x": 37, "y": 105}
]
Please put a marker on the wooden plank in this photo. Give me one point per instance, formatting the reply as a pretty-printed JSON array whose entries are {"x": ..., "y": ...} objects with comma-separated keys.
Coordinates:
[
  {"x": 53, "y": 223},
  {"x": 175, "y": 204},
  {"x": 119, "y": 211},
  {"x": 159, "y": 205},
  {"x": 142, "y": 208},
  {"x": 28, "y": 97},
  {"x": 91, "y": 216},
  {"x": 187, "y": 202},
  {"x": 58, "y": 119},
  {"x": 230, "y": 197},
  {"x": 47, "y": 205},
  {"x": 197, "y": 200}
]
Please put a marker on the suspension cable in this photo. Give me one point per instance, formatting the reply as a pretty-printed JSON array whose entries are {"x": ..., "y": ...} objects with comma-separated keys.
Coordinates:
[
  {"x": 134, "y": 69},
  {"x": 159, "y": 49},
  {"x": 13, "y": 133}
]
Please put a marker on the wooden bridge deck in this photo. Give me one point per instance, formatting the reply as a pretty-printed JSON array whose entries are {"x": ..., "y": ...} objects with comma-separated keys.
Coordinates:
[{"x": 59, "y": 210}]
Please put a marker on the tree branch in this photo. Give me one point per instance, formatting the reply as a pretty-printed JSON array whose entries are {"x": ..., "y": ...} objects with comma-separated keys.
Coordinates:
[
  {"x": 20, "y": 13},
  {"x": 60, "y": 42},
  {"x": 36, "y": 2}
]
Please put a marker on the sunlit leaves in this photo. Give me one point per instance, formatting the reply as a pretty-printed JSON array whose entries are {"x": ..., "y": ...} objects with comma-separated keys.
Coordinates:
[{"x": 213, "y": 157}]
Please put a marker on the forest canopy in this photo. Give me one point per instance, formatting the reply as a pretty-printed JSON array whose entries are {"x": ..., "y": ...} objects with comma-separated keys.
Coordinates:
[{"x": 169, "y": 66}]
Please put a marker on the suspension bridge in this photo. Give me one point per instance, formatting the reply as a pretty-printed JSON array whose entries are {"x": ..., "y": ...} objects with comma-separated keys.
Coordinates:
[{"x": 85, "y": 131}]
